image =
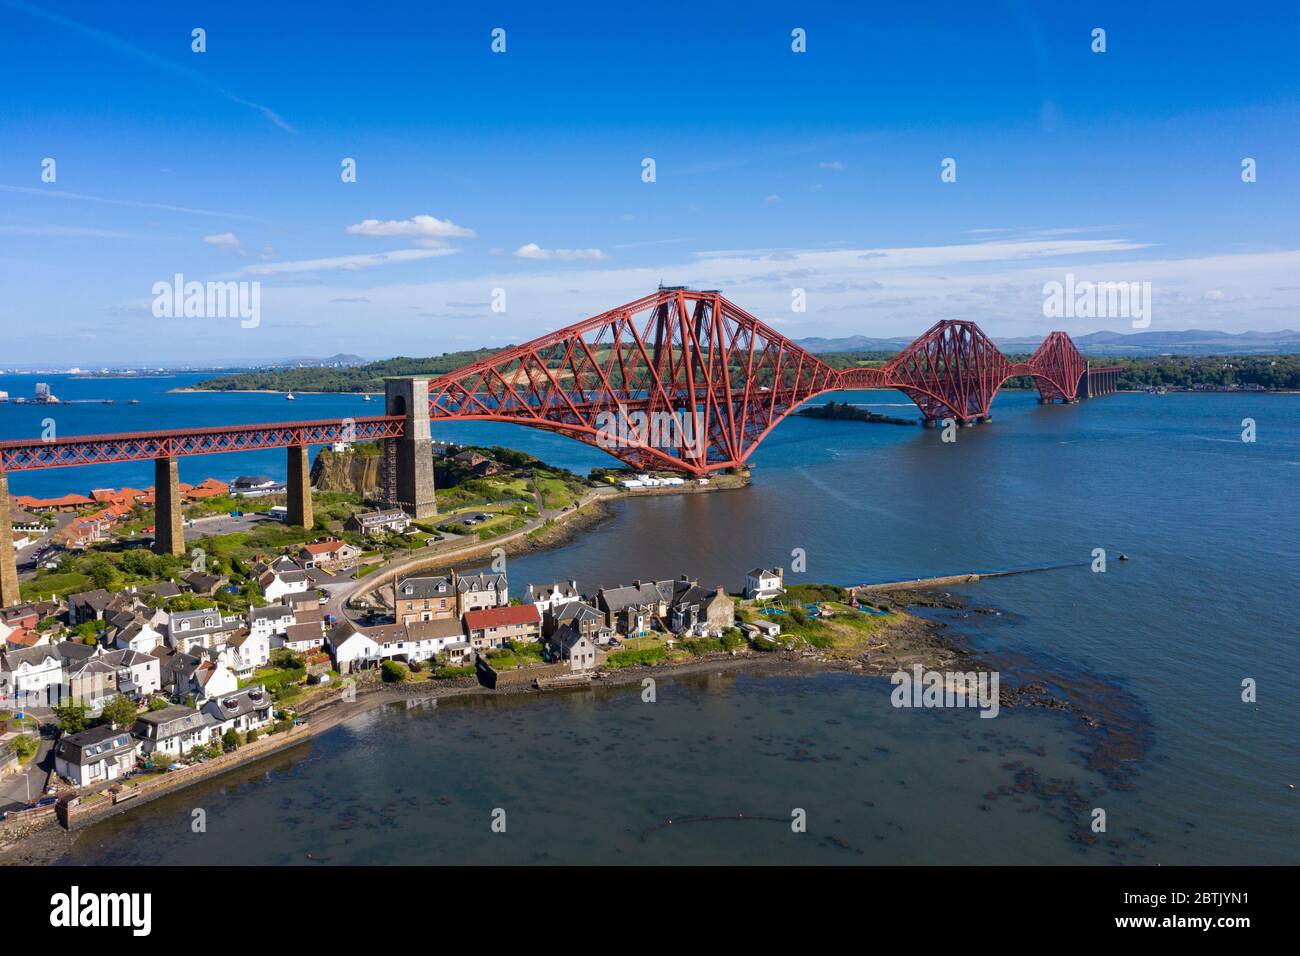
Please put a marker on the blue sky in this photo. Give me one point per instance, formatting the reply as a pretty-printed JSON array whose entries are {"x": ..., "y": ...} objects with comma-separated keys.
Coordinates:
[{"x": 522, "y": 171}]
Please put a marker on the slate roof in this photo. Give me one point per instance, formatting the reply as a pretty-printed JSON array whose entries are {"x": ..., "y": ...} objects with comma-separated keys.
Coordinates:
[{"x": 421, "y": 587}]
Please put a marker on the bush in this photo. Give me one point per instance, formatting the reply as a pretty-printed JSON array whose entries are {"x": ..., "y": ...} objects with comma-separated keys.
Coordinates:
[
  {"x": 71, "y": 717},
  {"x": 702, "y": 645},
  {"x": 120, "y": 711},
  {"x": 394, "y": 672},
  {"x": 251, "y": 736},
  {"x": 25, "y": 745},
  {"x": 230, "y": 740},
  {"x": 732, "y": 639},
  {"x": 157, "y": 703},
  {"x": 451, "y": 673},
  {"x": 650, "y": 655}
]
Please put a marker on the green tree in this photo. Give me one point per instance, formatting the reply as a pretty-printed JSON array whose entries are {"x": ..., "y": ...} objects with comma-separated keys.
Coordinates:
[
  {"x": 394, "y": 672},
  {"x": 71, "y": 717},
  {"x": 120, "y": 711},
  {"x": 230, "y": 740},
  {"x": 101, "y": 572},
  {"x": 24, "y": 745}
]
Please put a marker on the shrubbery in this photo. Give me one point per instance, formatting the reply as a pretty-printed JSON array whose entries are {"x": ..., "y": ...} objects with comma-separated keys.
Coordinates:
[
  {"x": 451, "y": 673},
  {"x": 394, "y": 672},
  {"x": 651, "y": 655}
]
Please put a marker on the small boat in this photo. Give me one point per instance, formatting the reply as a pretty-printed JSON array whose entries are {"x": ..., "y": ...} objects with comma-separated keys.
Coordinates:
[
  {"x": 289, "y": 397},
  {"x": 366, "y": 397}
]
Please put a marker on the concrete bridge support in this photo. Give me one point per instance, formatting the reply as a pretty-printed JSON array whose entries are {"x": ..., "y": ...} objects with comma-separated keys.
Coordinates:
[
  {"x": 299, "y": 487},
  {"x": 9, "y": 593},
  {"x": 168, "y": 530},
  {"x": 411, "y": 488}
]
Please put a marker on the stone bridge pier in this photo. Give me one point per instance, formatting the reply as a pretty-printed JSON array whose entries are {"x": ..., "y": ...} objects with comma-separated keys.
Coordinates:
[
  {"x": 9, "y": 594},
  {"x": 409, "y": 460}
]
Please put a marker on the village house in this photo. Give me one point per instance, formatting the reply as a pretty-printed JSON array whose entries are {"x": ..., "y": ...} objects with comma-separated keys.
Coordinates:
[
  {"x": 424, "y": 598},
  {"x": 377, "y": 522},
  {"x": 18, "y": 634},
  {"x": 271, "y": 620},
  {"x": 479, "y": 465},
  {"x": 71, "y": 502},
  {"x": 212, "y": 679},
  {"x": 431, "y": 638},
  {"x": 327, "y": 553},
  {"x": 90, "y": 605},
  {"x": 699, "y": 611},
  {"x": 351, "y": 649},
  {"x": 573, "y": 648},
  {"x": 37, "y": 676},
  {"x": 491, "y": 628},
  {"x": 583, "y": 618},
  {"x": 303, "y": 637},
  {"x": 636, "y": 608},
  {"x": 276, "y": 582},
  {"x": 765, "y": 584},
  {"x": 245, "y": 652},
  {"x": 26, "y": 523},
  {"x": 139, "y": 636},
  {"x": 91, "y": 681},
  {"x": 548, "y": 597},
  {"x": 207, "y": 628},
  {"x": 175, "y": 671},
  {"x": 137, "y": 674},
  {"x": 201, "y": 582},
  {"x": 484, "y": 589},
  {"x": 95, "y": 755},
  {"x": 242, "y": 710},
  {"x": 303, "y": 600},
  {"x": 255, "y": 485},
  {"x": 174, "y": 730},
  {"x": 163, "y": 589}
]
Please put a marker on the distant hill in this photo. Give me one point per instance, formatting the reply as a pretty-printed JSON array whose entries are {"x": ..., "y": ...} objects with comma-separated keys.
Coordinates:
[
  {"x": 366, "y": 377},
  {"x": 1188, "y": 342},
  {"x": 342, "y": 360}
]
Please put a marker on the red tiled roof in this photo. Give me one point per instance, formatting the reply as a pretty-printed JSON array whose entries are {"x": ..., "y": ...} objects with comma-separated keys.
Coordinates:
[
  {"x": 324, "y": 547},
  {"x": 503, "y": 616}
]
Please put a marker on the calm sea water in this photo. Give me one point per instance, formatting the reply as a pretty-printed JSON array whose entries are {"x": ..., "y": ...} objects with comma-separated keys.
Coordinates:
[{"x": 1207, "y": 601}]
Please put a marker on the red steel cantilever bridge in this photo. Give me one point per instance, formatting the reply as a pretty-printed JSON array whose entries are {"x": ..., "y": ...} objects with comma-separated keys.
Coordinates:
[{"x": 677, "y": 355}]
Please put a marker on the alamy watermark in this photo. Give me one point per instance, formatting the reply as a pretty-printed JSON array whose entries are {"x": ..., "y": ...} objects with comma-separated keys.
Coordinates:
[
  {"x": 1098, "y": 300},
  {"x": 922, "y": 688},
  {"x": 662, "y": 430},
  {"x": 208, "y": 300}
]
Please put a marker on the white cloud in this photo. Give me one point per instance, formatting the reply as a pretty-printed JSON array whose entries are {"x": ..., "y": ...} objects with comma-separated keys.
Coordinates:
[
  {"x": 1214, "y": 295},
  {"x": 422, "y": 228},
  {"x": 833, "y": 164},
  {"x": 532, "y": 250},
  {"x": 347, "y": 262},
  {"x": 773, "y": 198},
  {"x": 225, "y": 240}
]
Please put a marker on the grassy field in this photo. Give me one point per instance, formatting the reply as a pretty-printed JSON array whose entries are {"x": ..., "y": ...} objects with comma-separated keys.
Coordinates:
[{"x": 841, "y": 630}]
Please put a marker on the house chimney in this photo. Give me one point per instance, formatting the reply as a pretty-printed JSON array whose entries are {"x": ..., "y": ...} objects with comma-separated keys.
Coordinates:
[{"x": 636, "y": 583}]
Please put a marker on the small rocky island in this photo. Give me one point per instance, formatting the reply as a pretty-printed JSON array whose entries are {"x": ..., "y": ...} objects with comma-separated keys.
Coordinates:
[{"x": 843, "y": 411}]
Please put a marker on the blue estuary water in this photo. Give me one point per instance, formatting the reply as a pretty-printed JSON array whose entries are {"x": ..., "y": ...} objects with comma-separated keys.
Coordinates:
[{"x": 1165, "y": 640}]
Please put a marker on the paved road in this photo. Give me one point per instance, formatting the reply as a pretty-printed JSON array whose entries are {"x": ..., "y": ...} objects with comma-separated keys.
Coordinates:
[
  {"x": 26, "y": 557},
  {"x": 17, "y": 790}
]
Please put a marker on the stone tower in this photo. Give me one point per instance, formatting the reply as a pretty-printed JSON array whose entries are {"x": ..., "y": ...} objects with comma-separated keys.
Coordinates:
[{"x": 409, "y": 483}]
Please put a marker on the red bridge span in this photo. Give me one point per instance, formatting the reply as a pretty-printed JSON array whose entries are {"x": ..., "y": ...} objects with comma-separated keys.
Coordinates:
[{"x": 678, "y": 380}]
